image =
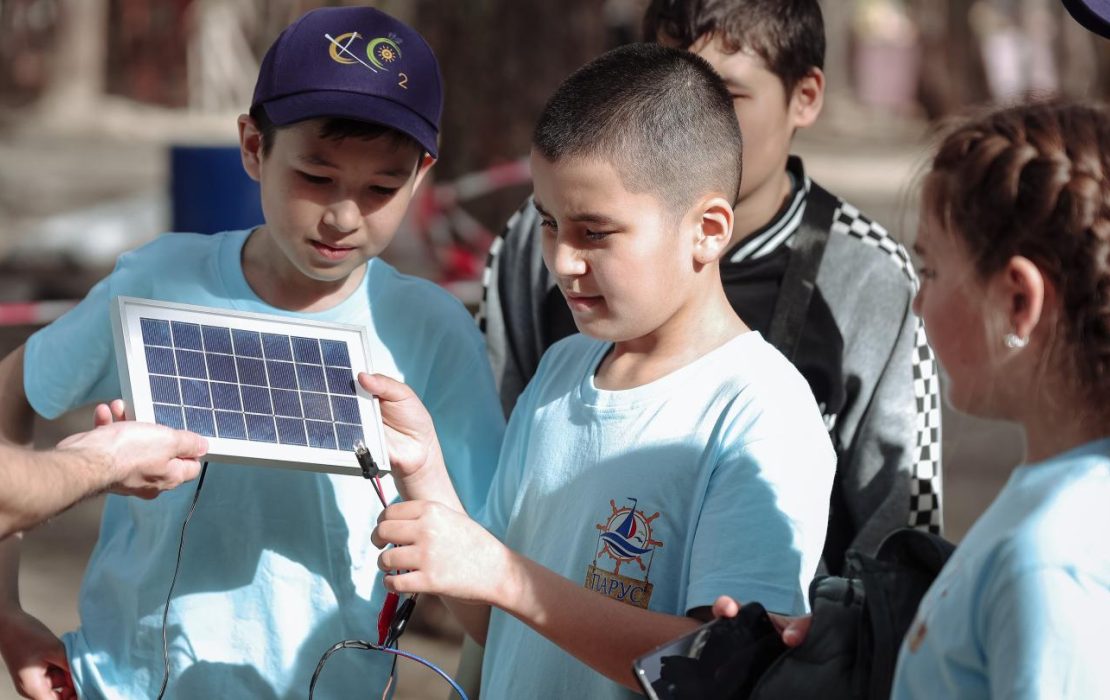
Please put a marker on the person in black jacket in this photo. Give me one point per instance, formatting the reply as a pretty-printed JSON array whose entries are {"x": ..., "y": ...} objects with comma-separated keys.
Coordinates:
[{"x": 824, "y": 283}]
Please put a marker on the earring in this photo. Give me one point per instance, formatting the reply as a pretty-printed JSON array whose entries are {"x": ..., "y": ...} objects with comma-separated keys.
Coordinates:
[{"x": 1015, "y": 341}]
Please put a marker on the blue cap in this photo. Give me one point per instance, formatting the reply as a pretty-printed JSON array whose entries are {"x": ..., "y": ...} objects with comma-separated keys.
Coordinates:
[{"x": 354, "y": 63}]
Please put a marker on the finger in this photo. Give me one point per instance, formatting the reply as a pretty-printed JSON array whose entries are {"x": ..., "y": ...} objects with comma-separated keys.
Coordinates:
[
  {"x": 404, "y": 510},
  {"x": 411, "y": 558},
  {"x": 190, "y": 445},
  {"x": 102, "y": 415},
  {"x": 186, "y": 469},
  {"x": 118, "y": 409},
  {"x": 408, "y": 582},
  {"x": 796, "y": 631},
  {"x": 34, "y": 683},
  {"x": 725, "y": 607},
  {"x": 385, "y": 388},
  {"x": 396, "y": 532}
]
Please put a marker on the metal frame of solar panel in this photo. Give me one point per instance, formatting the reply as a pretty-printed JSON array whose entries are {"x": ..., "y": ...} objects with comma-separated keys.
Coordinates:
[{"x": 265, "y": 390}]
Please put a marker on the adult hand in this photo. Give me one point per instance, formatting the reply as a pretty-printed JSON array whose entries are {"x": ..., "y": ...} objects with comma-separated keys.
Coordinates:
[
  {"x": 793, "y": 630},
  {"x": 141, "y": 459},
  {"x": 440, "y": 550},
  {"x": 35, "y": 657},
  {"x": 413, "y": 445}
]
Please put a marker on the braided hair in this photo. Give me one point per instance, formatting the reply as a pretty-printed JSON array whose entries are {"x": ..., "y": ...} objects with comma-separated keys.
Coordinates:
[{"x": 1034, "y": 180}]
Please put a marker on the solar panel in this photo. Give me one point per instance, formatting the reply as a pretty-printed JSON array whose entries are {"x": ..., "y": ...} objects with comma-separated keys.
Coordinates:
[{"x": 267, "y": 390}]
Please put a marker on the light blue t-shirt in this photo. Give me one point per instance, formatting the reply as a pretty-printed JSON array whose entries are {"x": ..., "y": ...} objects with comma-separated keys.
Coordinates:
[
  {"x": 712, "y": 480},
  {"x": 1022, "y": 609},
  {"x": 277, "y": 564}
]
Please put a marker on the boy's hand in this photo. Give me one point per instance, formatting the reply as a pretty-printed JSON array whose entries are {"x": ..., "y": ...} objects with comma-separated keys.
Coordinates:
[
  {"x": 35, "y": 657},
  {"x": 414, "y": 455},
  {"x": 440, "y": 550},
  {"x": 793, "y": 630}
]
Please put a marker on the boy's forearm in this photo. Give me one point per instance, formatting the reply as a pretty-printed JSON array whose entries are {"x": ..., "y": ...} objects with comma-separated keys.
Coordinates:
[
  {"x": 9, "y": 575},
  {"x": 35, "y": 486},
  {"x": 431, "y": 483},
  {"x": 602, "y": 633}
]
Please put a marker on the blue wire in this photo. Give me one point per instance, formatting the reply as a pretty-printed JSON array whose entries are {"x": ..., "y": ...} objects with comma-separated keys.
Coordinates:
[
  {"x": 370, "y": 646},
  {"x": 427, "y": 663}
]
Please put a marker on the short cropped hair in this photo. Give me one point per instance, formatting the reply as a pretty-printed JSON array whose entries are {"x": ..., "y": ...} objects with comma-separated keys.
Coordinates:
[
  {"x": 789, "y": 35},
  {"x": 333, "y": 128},
  {"x": 661, "y": 117}
]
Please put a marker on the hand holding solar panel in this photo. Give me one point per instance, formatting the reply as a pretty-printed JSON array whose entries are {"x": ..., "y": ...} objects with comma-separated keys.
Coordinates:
[{"x": 266, "y": 390}]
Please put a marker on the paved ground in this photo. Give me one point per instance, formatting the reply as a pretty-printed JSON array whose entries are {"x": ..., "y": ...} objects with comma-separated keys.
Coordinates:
[{"x": 871, "y": 164}]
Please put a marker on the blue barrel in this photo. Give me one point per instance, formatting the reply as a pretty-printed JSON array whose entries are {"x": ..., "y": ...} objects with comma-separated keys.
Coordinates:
[{"x": 210, "y": 191}]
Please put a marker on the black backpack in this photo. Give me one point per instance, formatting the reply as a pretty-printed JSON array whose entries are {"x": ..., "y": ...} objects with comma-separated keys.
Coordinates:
[{"x": 859, "y": 620}]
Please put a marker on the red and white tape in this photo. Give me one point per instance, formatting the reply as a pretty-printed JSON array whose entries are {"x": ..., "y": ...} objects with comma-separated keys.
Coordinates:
[{"x": 32, "y": 313}]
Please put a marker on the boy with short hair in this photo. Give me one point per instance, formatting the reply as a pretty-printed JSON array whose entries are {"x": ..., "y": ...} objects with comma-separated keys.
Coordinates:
[
  {"x": 664, "y": 455},
  {"x": 825, "y": 284},
  {"x": 278, "y": 564}
]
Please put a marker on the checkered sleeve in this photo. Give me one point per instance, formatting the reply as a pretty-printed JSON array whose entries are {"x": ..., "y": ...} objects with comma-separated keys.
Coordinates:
[
  {"x": 925, "y": 489},
  {"x": 925, "y": 469}
]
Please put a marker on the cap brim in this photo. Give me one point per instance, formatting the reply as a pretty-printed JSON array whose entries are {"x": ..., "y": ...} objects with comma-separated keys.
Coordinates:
[
  {"x": 1094, "y": 15},
  {"x": 367, "y": 108}
]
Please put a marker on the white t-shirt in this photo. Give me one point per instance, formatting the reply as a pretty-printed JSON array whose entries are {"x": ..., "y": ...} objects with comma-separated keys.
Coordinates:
[{"x": 712, "y": 480}]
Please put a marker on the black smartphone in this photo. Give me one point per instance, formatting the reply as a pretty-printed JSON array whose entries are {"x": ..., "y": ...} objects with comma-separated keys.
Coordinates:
[{"x": 720, "y": 659}]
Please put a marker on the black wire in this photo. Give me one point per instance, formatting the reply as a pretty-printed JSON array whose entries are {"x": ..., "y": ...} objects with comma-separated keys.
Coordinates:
[{"x": 173, "y": 582}]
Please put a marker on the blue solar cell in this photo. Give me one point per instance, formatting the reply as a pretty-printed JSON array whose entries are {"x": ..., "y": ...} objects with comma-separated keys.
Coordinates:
[
  {"x": 346, "y": 409},
  {"x": 230, "y": 425},
  {"x": 160, "y": 361},
  {"x": 281, "y": 375},
  {"x": 335, "y": 353},
  {"x": 247, "y": 343},
  {"x": 164, "y": 390},
  {"x": 169, "y": 416},
  {"x": 217, "y": 339},
  {"x": 286, "y": 403},
  {"x": 256, "y": 400},
  {"x": 311, "y": 378},
  {"x": 200, "y": 420},
  {"x": 307, "y": 350},
  {"x": 291, "y": 431},
  {"x": 186, "y": 335},
  {"x": 226, "y": 396},
  {"x": 348, "y": 435},
  {"x": 261, "y": 428},
  {"x": 276, "y": 347},
  {"x": 155, "y": 331},
  {"x": 221, "y": 368},
  {"x": 340, "y": 380},
  {"x": 191, "y": 364},
  {"x": 251, "y": 371},
  {"x": 320, "y": 434},
  {"x": 194, "y": 392},
  {"x": 315, "y": 406}
]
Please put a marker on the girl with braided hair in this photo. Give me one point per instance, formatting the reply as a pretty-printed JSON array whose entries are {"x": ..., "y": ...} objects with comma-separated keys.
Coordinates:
[
  {"x": 1014, "y": 244},
  {"x": 1015, "y": 297}
]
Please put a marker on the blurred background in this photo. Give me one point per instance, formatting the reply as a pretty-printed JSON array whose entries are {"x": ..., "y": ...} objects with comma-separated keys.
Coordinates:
[{"x": 117, "y": 122}]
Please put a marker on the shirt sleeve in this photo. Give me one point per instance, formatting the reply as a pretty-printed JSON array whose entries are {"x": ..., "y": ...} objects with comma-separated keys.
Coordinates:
[
  {"x": 1044, "y": 632},
  {"x": 894, "y": 452},
  {"x": 762, "y": 523},
  {"x": 467, "y": 414},
  {"x": 511, "y": 315},
  {"x": 507, "y": 481},
  {"x": 71, "y": 362}
]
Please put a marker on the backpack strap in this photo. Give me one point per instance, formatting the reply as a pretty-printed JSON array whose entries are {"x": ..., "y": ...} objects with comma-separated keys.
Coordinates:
[{"x": 800, "y": 278}]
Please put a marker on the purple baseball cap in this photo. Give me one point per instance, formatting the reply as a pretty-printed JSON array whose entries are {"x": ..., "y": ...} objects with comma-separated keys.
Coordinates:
[{"x": 355, "y": 63}]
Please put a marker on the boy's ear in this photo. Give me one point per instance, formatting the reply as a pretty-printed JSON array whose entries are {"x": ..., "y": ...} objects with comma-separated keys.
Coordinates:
[
  {"x": 713, "y": 230},
  {"x": 250, "y": 146},
  {"x": 422, "y": 168},
  {"x": 807, "y": 98}
]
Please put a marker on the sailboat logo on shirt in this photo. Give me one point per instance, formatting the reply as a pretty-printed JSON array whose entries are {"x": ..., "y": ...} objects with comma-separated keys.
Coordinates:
[{"x": 625, "y": 537}]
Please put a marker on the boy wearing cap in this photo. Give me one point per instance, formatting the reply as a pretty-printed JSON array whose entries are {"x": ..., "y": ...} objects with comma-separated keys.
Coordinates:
[{"x": 278, "y": 564}]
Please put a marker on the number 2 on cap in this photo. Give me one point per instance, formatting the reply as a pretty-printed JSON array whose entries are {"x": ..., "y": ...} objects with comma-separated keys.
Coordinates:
[{"x": 404, "y": 81}]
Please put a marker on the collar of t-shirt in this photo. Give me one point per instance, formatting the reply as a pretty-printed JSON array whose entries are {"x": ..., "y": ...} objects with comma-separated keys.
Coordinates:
[{"x": 777, "y": 232}]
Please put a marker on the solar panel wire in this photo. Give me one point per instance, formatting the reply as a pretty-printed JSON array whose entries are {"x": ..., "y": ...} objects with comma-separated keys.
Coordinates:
[{"x": 173, "y": 582}]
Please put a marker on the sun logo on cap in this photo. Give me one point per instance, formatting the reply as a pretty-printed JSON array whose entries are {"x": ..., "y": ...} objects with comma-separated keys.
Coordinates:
[{"x": 383, "y": 50}]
